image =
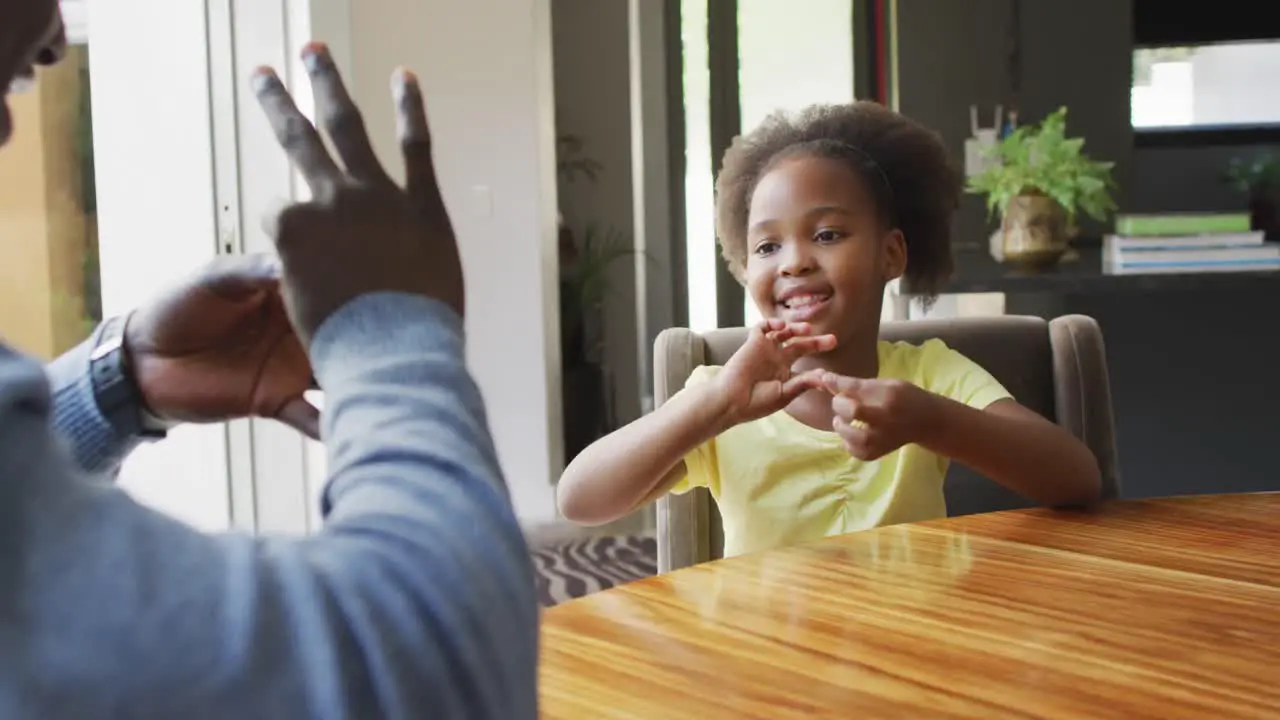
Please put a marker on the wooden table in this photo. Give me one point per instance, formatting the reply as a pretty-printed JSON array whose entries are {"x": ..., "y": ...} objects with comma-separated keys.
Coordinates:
[{"x": 1161, "y": 609}]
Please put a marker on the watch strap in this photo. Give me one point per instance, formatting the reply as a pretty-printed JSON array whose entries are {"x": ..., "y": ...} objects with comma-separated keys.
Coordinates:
[{"x": 115, "y": 389}]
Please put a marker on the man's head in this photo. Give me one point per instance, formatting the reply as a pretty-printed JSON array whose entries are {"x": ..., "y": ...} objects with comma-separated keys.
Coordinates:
[{"x": 31, "y": 34}]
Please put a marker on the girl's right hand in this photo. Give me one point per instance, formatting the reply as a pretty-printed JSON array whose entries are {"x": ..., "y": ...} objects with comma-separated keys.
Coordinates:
[{"x": 758, "y": 381}]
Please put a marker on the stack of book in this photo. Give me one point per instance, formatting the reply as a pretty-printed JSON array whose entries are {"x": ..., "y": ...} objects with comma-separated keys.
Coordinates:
[{"x": 1187, "y": 242}]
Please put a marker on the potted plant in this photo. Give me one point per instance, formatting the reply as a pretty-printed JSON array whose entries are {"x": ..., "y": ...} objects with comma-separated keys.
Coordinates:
[
  {"x": 584, "y": 286},
  {"x": 1259, "y": 180},
  {"x": 587, "y": 256},
  {"x": 1038, "y": 182}
]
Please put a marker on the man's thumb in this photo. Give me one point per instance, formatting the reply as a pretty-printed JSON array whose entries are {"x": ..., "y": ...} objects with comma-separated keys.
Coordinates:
[{"x": 302, "y": 416}]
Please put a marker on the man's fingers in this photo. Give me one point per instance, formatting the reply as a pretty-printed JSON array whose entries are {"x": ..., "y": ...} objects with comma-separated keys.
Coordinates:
[
  {"x": 338, "y": 115},
  {"x": 291, "y": 226},
  {"x": 301, "y": 416},
  {"x": 295, "y": 132},
  {"x": 415, "y": 136},
  {"x": 233, "y": 277}
]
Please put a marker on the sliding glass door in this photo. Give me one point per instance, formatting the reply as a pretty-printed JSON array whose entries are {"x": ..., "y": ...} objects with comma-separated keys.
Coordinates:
[
  {"x": 790, "y": 57},
  {"x": 699, "y": 204}
]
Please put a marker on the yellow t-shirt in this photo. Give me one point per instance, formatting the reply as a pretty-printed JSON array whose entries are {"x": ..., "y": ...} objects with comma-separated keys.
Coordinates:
[{"x": 780, "y": 482}]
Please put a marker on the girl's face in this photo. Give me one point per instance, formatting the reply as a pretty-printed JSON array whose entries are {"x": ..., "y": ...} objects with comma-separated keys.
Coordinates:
[{"x": 817, "y": 251}]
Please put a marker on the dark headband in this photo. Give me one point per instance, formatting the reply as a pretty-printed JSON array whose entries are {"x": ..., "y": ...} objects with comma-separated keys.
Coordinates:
[{"x": 869, "y": 165}]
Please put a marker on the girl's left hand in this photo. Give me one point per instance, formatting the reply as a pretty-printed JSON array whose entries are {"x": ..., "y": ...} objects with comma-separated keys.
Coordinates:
[{"x": 876, "y": 417}]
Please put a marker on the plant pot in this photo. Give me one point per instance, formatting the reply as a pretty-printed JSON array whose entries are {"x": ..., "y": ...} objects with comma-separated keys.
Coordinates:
[
  {"x": 1034, "y": 232},
  {"x": 584, "y": 407},
  {"x": 1264, "y": 214}
]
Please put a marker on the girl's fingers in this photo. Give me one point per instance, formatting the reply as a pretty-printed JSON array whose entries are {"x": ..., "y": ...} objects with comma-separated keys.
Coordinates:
[
  {"x": 802, "y": 346},
  {"x": 771, "y": 325},
  {"x": 801, "y": 383},
  {"x": 784, "y": 331},
  {"x": 800, "y": 328},
  {"x": 847, "y": 408},
  {"x": 858, "y": 438},
  {"x": 781, "y": 336}
]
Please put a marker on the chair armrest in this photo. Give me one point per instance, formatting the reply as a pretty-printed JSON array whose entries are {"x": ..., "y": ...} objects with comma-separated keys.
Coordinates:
[
  {"x": 1082, "y": 392},
  {"x": 681, "y": 520},
  {"x": 682, "y": 530}
]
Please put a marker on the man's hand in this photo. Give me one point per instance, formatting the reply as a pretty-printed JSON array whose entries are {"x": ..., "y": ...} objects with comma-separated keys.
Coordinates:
[
  {"x": 361, "y": 233},
  {"x": 876, "y": 417},
  {"x": 219, "y": 346}
]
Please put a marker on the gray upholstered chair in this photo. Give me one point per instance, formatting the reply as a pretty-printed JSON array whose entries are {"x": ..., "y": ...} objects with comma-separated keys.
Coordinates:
[{"x": 1057, "y": 368}]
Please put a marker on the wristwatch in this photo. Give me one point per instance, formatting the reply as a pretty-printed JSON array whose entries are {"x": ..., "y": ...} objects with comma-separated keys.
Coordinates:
[{"x": 115, "y": 389}]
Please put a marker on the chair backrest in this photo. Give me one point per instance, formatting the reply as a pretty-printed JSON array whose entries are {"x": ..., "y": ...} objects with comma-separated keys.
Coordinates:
[{"x": 1057, "y": 368}]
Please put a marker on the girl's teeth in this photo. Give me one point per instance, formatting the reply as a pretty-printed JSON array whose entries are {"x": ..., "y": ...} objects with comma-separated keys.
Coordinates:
[{"x": 802, "y": 300}]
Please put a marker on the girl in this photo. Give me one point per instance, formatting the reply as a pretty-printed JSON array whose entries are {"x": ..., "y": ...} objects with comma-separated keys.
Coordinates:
[{"x": 816, "y": 427}]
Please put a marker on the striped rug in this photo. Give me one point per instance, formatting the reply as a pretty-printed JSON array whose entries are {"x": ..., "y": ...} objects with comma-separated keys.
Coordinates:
[{"x": 577, "y": 567}]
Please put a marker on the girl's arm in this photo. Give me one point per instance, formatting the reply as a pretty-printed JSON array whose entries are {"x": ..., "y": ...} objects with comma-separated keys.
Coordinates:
[
  {"x": 1015, "y": 447},
  {"x": 641, "y": 461}
]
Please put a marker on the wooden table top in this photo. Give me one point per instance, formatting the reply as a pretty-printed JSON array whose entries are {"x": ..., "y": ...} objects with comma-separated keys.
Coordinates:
[{"x": 1160, "y": 608}]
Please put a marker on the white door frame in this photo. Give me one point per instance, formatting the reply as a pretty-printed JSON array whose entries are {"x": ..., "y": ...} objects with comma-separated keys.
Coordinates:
[{"x": 274, "y": 474}]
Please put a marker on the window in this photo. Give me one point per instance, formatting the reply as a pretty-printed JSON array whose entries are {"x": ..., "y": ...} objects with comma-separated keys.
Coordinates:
[
  {"x": 789, "y": 60},
  {"x": 786, "y": 60},
  {"x": 75, "y": 15},
  {"x": 1194, "y": 86},
  {"x": 699, "y": 183}
]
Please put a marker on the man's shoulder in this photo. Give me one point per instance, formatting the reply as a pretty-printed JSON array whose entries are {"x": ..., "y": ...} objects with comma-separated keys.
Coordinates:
[
  {"x": 25, "y": 401},
  {"x": 19, "y": 373}
]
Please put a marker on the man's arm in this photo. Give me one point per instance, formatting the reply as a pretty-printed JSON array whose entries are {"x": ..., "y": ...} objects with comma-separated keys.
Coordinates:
[
  {"x": 95, "y": 445},
  {"x": 415, "y": 600}
]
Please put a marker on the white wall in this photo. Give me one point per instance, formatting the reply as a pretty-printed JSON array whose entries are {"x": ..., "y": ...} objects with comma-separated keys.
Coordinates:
[
  {"x": 162, "y": 115},
  {"x": 593, "y": 101},
  {"x": 486, "y": 71},
  {"x": 659, "y": 267}
]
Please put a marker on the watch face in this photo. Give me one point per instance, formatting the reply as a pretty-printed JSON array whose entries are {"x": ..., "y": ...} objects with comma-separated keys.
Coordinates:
[{"x": 109, "y": 345}]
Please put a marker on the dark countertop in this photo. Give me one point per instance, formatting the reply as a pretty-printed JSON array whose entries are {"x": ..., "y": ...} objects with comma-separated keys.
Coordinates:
[{"x": 977, "y": 272}]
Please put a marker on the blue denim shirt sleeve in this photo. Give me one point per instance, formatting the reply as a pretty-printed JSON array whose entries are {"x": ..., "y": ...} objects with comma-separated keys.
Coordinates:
[{"x": 415, "y": 599}]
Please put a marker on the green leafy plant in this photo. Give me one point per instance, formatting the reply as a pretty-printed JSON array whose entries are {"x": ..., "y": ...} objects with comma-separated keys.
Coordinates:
[
  {"x": 1258, "y": 176},
  {"x": 599, "y": 249},
  {"x": 571, "y": 162},
  {"x": 1042, "y": 160},
  {"x": 586, "y": 283}
]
